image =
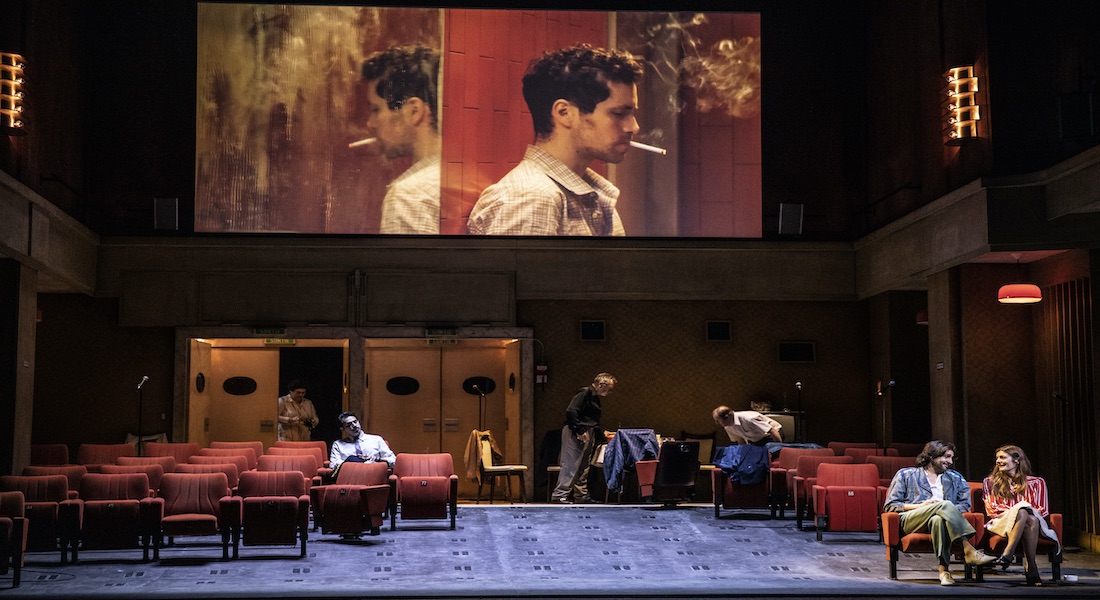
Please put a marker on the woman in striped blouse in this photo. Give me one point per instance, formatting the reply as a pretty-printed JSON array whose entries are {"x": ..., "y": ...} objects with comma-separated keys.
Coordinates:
[{"x": 1016, "y": 503}]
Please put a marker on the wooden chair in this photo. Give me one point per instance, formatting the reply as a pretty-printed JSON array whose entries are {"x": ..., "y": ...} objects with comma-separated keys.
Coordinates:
[
  {"x": 425, "y": 486},
  {"x": 490, "y": 469}
]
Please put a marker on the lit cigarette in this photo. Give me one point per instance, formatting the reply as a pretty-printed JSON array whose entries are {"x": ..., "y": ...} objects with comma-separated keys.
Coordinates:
[
  {"x": 648, "y": 148},
  {"x": 363, "y": 142}
]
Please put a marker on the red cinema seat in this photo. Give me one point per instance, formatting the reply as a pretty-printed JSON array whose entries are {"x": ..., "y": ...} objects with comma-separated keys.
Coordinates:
[
  {"x": 425, "y": 486},
  {"x": 845, "y": 498}
]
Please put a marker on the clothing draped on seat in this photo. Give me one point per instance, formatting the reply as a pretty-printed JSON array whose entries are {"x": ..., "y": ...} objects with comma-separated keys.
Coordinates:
[
  {"x": 622, "y": 451},
  {"x": 487, "y": 462}
]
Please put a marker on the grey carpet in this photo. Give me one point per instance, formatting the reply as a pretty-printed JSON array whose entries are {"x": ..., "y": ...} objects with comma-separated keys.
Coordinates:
[{"x": 540, "y": 551}]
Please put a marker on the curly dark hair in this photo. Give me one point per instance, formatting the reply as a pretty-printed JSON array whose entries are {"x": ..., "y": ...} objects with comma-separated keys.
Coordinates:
[
  {"x": 405, "y": 72},
  {"x": 933, "y": 450},
  {"x": 579, "y": 74}
]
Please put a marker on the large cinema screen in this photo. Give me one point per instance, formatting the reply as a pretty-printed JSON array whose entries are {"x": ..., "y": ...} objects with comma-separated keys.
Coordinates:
[{"x": 394, "y": 121}]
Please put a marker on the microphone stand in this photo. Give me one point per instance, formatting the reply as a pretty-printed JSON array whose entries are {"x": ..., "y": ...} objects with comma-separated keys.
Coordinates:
[{"x": 480, "y": 402}]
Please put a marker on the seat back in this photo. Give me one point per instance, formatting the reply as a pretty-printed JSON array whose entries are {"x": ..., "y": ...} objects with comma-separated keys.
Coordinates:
[
  {"x": 485, "y": 453},
  {"x": 787, "y": 425},
  {"x": 232, "y": 474},
  {"x": 850, "y": 475},
  {"x": 153, "y": 473},
  {"x": 72, "y": 473},
  {"x": 423, "y": 465},
  {"x": 838, "y": 448},
  {"x": 677, "y": 464},
  {"x": 788, "y": 457},
  {"x": 271, "y": 483},
  {"x": 313, "y": 451},
  {"x": 706, "y": 444},
  {"x": 239, "y": 460},
  {"x": 353, "y": 473},
  {"x": 861, "y": 454},
  {"x": 256, "y": 447},
  {"x": 114, "y": 486},
  {"x": 306, "y": 464},
  {"x": 193, "y": 493},
  {"x": 180, "y": 451},
  {"x": 49, "y": 454},
  {"x": 37, "y": 488},
  {"x": 889, "y": 465},
  {"x": 321, "y": 445},
  {"x": 93, "y": 455},
  {"x": 167, "y": 463},
  {"x": 248, "y": 453},
  {"x": 808, "y": 465}
]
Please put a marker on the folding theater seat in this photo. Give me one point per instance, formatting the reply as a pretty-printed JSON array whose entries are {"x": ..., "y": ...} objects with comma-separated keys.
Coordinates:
[
  {"x": 73, "y": 474},
  {"x": 783, "y": 472},
  {"x": 305, "y": 464},
  {"x": 167, "y": 463},
  {"x": 180, "y": 451},
  {"x": 153, "y": 473},
  {"x": 249, "y": 454},
  {"x": 898, "y": 543},
  {"x": 240, "y": 461},
  {"x": 670, "y": 478},
  {"x": 43, "y": 496},
  {"x": 114, "y": 511},
  {"x": 862, "y": 454},
  {"x": 321, "y": 445},
  {"x": 425, "y": 486},
  {"x": 13, "y": 535},
  {"x": 49, "y": 454},
  {"x": 845, "y": 498},
  {"x": 356, "y": 503},
  {"x": 273, "y": 510},
  {"x": 92, "y": 456},
  {"x": 805, "y": 476},
  {"x": 838, "y": 448},
  {"x": 323, "y": 472},
  {"x": 232, "y": 474},
  {"x": 192, "y": 504},
  {"x": 257, "y": 448}
]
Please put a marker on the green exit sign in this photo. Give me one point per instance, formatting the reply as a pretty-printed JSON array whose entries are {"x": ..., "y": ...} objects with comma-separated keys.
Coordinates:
[
  {"x": 280, "y": 341},
  {"x": 270, "y": 331}
]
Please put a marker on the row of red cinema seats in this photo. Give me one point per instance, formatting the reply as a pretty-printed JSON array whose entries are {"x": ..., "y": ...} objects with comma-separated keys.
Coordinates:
[
  {"x": 846, "y": 493},
  {"x": 225, "y": 490}
]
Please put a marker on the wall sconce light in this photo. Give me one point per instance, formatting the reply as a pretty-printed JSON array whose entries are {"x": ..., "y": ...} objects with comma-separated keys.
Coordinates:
[
  {"x": 1019, "y": 293},
  {"x": 961, "y": 114},
  {"x": 11, "y": 94}
]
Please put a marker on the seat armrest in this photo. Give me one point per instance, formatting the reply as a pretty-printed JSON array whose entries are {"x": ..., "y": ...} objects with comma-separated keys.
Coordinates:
[
  {"x": 1055, "y": 521},
  {"x": 817, "y": 498},
  {"x": 891, "y": 528},
  {"x": 231, "y": 509},
  {"x": 977, "y": 521}
]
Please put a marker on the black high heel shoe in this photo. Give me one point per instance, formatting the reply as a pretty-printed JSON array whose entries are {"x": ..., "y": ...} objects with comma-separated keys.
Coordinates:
[
  {"x": 1032, "y": 580},
  {"x": 1003, "y": 562}
]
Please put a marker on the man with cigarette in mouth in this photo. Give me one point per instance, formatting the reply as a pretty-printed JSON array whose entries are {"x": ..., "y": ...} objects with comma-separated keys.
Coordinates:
[
  {"x": 583, "y": 102},
  {"x": 404, "y": 117}
]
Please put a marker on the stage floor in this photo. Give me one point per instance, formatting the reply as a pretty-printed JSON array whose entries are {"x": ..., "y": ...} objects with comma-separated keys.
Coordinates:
[{"x": 538, "y": 550}]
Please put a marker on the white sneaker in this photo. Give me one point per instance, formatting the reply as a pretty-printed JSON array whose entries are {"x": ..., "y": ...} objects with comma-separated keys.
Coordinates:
[{"x": 946, "y": 578}]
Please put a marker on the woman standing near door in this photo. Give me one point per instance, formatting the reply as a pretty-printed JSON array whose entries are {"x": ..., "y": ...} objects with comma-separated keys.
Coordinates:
[{"x": 297, "y": 416}]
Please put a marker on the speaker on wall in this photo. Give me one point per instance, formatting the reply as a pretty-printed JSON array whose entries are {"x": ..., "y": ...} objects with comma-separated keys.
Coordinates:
[
  {"x": 790, "y": 219},
  {"x": 166, "y": 213},
  {"x": 719, "y": 331},
  {"x": 592, "y": 331}
]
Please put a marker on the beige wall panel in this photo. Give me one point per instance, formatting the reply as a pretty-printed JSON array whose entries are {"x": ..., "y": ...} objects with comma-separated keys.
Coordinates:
[
  {"x": 150, "y": 298},
  {"x": 274, "y": 297},
  {"x": 487, "y": 298},
  {"x": 409, "y": 423},
  {"x": 239, "y": 418},
  {"x": 199, "y": 402}
]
